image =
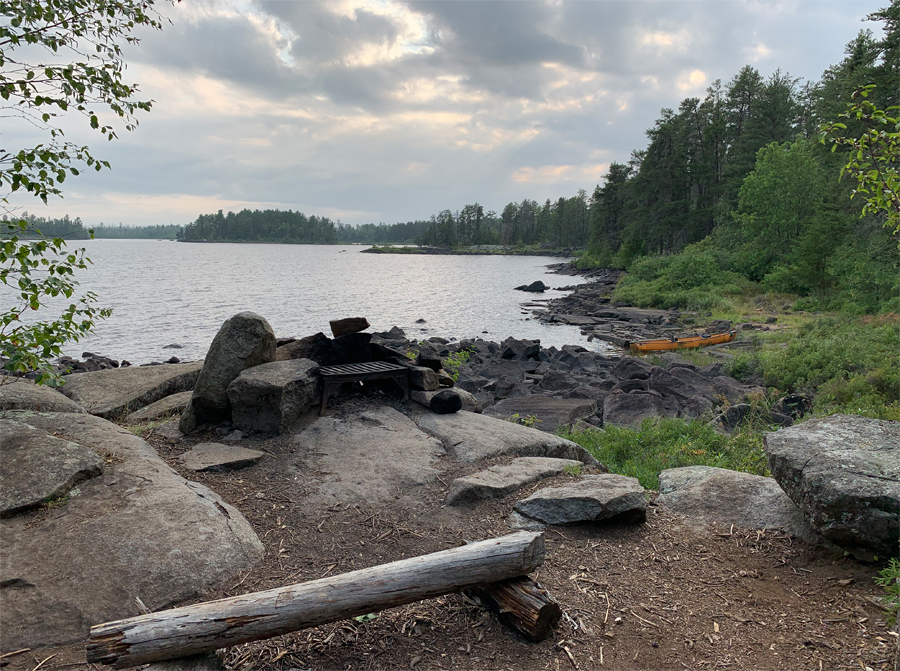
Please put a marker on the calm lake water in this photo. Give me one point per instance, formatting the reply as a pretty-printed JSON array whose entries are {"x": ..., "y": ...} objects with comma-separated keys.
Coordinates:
[{"x": 166, "y": 292}]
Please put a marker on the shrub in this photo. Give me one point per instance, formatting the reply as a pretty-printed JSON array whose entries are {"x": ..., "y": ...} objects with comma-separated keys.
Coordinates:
[{"x": 693, "y": 279}]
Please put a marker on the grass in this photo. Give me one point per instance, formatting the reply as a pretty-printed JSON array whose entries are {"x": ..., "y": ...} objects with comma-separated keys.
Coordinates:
[
  {"x": 671, "y": 443},
  {"x": 850, "y": 363}
]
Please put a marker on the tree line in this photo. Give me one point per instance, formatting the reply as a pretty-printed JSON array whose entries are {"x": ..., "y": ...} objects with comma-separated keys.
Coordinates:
[{"x": 75, "y": 229}]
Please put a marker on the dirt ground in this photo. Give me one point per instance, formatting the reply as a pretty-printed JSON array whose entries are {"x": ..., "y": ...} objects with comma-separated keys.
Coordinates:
[{"x": 652, "y": 596}]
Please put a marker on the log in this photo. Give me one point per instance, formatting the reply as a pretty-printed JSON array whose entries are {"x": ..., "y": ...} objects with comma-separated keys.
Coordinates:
[
  {"x": 205, "y": 627},
  {"x": 522, "y": 604}
]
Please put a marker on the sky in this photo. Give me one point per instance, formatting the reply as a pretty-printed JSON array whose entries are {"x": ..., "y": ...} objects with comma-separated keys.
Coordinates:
[{"x": 381, "y": 111}]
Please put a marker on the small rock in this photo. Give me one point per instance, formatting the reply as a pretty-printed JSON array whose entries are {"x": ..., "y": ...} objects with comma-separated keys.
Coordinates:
[
  {"x": 341, "y": 327},
  {"x": 215, "y": 457},
  {"x": 593, "y": 499},
  {"x": 423, "y": 378}
]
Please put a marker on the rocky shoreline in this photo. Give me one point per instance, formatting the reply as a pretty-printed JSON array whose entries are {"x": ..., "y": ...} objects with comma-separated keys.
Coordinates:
[{"x": 476, "y": 250}]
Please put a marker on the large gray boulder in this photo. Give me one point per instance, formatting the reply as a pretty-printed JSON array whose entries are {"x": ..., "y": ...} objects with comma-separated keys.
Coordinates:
[
  {"x": 269, "y": 398},
  {"x": 114, "y": 393},
  {"x": 843, "y": 472},
  {"x": 164, "y": 407},
  {"x": 549, "y": 412},
  {"x": 470, "y": 437},
  {"x": 706, "y": 495},
  {"x": 22, "y": 394},
  {"x": 367, "y": 457},
  {"x": 244, "y": 341},
  {"x": 137, "y": 530},
  {"x": 498, "y": 481},
  {"x": 631, "y": 409},
  {"x": 36, "y": 468},
  {"x": 595, "y": 498}
]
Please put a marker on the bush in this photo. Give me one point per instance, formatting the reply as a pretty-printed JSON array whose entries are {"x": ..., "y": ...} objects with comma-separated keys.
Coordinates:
[
  {"x": 693, "y": 279},
  {"x": 850, "y": 363},
  {"x": 671, "y": 443}
]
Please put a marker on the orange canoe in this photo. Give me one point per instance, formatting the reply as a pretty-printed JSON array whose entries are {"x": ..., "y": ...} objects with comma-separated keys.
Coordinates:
[{"x": 682, "y": 343}]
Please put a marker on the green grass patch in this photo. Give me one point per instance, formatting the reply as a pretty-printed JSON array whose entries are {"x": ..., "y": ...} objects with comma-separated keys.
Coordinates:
[
  {"x": 851, "y": 364},
  {"x": 671, "y": 443}
]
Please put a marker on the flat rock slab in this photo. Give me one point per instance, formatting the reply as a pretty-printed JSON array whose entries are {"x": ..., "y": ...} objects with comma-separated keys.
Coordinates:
[
  {"x": 551, "y": 413},
  {"x": 471, "y": 437},
  {"x": 36, "y": 467},
  {"x": 369, "y": 457},
  {"x": 843, "y": 472},
  {"x": 116, "y": 392},
  {"x": 137, "y": 530},
  {"x": 218, "y": 458},
  {"x": 630, "y": 410},
  {"x": 164, "y": 407},
  {"x": 595, "y": 498},
  {"x": 24, "y": 394},
  {"x": 498, "y": 481},
  {"x": 707, "y": 495}
]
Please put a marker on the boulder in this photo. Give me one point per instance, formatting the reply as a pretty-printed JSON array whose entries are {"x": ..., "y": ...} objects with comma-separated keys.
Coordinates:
[
  {"x": 471, "y": 437},
  {"x": 219, "y": 458},
  {"x": 707, "y": 495},
  {"x": 445, "y": 379},
  {"x": 630, "y": 410},
  {"x": 536, "y": 287},
  {"x": 551, "y": 413},
  {"x": 729, "y": 388},
  {"x": 843, "y": 472},
  {"x": 467, "y": 401},
  {"x": 21, "y": 394},
  {"x": 351, "y": 348},
  {"x": 368, "y": 457},
  {"x": 631, "y": 368},
  {"x": 498, "y": 481},
  {"x": 429, "y": 357},
  {"x": 165, "y": 407},
  {"x": 423, "y": 379},
  {"x": 669, "y": 384},
  {"x": 557, "y": 381},
  {"x": 595, "y": 498},
  {"x": 315, "y": 347},
  {"x": 270, "y": 397},
  {"x": 340, "y": 327},
  {"x": 446, "y": 402},
  {"x": 244, "y": 341},
  {"x": 36, "y": 467},
  {"x": 137, "y": 530},
  {"x": 114, "y": 393}
]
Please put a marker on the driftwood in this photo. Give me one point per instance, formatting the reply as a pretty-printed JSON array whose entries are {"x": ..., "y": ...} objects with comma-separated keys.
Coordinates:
[
  {"x": 205, "y": 627},
  {"x": 522, "y": 604}
]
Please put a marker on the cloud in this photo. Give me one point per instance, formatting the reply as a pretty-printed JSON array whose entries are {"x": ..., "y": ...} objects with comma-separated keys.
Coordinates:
[{"x": 390, "y": 111}]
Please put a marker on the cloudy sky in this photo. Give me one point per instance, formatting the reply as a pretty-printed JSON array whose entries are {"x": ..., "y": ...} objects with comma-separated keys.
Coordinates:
[{"x": 372, "y": 110}]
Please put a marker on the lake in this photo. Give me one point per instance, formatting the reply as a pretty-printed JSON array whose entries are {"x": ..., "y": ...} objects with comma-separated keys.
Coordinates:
[{"x": 165, "y": 292}]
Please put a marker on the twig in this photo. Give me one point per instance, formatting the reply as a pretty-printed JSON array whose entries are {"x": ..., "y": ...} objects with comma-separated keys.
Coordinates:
[
  {"x": 571, "y": 658},
  {"x": 652, "y": 624},
  {"x": 15, "y": 652},
  {"x": 44, "y": 662}
]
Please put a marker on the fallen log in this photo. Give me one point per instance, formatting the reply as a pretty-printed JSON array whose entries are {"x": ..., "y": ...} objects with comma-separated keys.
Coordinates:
[
  {"x": 205, "y": 627},
  {"x": 522, "y": 604}
]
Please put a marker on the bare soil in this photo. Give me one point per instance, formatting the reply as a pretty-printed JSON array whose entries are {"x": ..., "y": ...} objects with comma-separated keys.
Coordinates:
[{"x": 654, "y": 596}]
